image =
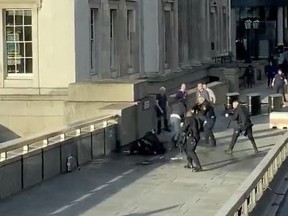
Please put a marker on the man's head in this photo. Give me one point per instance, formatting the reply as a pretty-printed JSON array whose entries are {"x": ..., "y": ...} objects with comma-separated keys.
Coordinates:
[
  {"x": 201, "y": 100},
  {"x": 183, "y": 87},
  {"x": 235, "y": 104},
  {"x": 279, "y": 71},
  {"x": 204, "y": 86},
  {"x": 200, "y": 87},
  {"x": 162, "y": 90},
  {"x": 270, "y": 63}
]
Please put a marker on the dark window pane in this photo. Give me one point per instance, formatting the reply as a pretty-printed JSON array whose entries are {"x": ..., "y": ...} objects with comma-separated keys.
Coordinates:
[
  {"x": 9, "y": 17},
  {"x": 20, "y": 65},
  {"x": 19, "y": 36},
  {"x": 20, "y": 50},
  {"x": 27, "y": 17},
  {"x": 28, "y": 50},
  {"x": 29, "y": 65},
  {"x": 10, "y": 34},
  {"x": 28, "y": 33},
  {"x": 11, "y": 66},
  {"x": 18, "y": 17},
  {"x": 11, "y": 49}
]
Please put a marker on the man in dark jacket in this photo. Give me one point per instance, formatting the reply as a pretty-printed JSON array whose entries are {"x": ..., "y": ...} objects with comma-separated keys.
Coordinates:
[
  {"x": 177, "y": 116},
  {"x": 192, "y": 136},
  {"x": 182, "y": 94},
  {"x": 207, "y": 117},
  {"x": 244, "y": 125},
  {"x": 279, "y": 83},
  {"x": 249, "y": 74},
  {"x": 270, "y": 71},
  {"x": 161, "y": 110}
]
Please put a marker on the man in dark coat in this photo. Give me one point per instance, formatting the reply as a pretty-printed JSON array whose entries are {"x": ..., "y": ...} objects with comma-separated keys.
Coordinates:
[
  {"x": 244, "y": 125},
  {"x": 270, "y": 71},
  {"x": 161, "y": 110},
  {"x": 207, "y": 117},
  {"x": 192, "y": 136}
]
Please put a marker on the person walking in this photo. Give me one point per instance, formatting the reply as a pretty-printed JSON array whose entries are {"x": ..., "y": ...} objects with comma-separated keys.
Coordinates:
[
  {"x": 161, "y": 110},
  {"x": 249, "y": 74},
  {"x": 270, "y": 71},
  {"x": 212, "y": 97},
  {"x": 192, "y": 136},
  {"x": 177, "y": 116},
  {"x": 244, "y": 125},
  {"x": 279, "y": 81}
]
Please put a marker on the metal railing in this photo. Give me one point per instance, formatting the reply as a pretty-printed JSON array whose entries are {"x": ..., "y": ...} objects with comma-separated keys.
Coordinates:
[
  {"x": 244, "y": 199},
  {"x": 22, "y": 146}
]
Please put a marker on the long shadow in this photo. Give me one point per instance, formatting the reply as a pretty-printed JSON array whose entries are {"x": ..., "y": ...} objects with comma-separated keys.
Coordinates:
[
  {"x": 6, "y": 134},
  {"x": 234, "y": 160},
  {"x": 242, "y": 140},
  {"x": 153, "y": 212}
]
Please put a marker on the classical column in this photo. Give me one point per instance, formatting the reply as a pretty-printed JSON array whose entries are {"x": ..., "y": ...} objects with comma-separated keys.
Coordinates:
[
  {"x": 175, "y": 39},
  {"x": 280, "y": 29},
  {"x": 105, "y": 71}
]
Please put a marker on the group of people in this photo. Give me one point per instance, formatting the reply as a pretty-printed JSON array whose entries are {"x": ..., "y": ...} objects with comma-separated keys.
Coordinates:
[{"x": 191, "y": 121}]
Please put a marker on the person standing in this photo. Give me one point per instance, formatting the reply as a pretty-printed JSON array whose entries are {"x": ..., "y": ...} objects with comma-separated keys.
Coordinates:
[
  {"x": 279, "y": 83},
  {"x": 192, "y": 136},
  {"x": 161, "y": 110},
  {"x": 207, "y": 116},
  {"x": 201, "y": 92},
  {"x": 210, "y": 93},
  {"x": 249, "y": 74},
  {"x": 244, "y": 125},
  {"x": 270, "y": 71},
  {"x": 182, "y": 94},
  {"x": 177, "y": 116}
]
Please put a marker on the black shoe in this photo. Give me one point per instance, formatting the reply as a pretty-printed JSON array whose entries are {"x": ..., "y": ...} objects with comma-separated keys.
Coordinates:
[
  {"x": 188, "y": 166},
  {"x": 256, "y": 151},
  {"x": 197, "y": 169},
  {"x": 158, "y": 132},
  {"x": 229, "y": 151}
]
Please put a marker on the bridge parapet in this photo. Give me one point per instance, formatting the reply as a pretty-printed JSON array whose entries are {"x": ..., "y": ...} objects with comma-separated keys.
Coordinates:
[
  {"x": 245, "y": 198},
  {"x": 27, "y": 161}
]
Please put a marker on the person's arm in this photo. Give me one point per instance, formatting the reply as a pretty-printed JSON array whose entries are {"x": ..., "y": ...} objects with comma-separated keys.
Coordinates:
[
  {"x": 157, "y": 104},
  {"x": 273, "y": 82},
  {"x": 213, "y": 97}
]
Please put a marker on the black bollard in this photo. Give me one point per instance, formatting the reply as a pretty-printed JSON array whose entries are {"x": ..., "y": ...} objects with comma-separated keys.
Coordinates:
[
  {"x": 275, "y": 102},
  {"x": 254, "y": 103}
]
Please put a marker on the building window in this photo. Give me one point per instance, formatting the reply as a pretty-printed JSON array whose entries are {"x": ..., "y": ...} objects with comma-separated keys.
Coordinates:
[
  {"x": 18, "y": 41},
  {"x": 93, "y": 45},
  {"x": 113, "y": 17},
  {"x": 130, "y": 34}
]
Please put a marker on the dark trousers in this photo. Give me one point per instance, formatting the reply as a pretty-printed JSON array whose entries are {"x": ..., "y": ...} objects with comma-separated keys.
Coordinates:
[
  {"x": 208, "y": 131},
  {"x": 269, "y": 81},
  {"x": 236, "y": 134},
  {"x": 249, "y": 82},
  {"x": 280, "y": 90},
  {"x": 190, "y": 150},
  {"x": 159, "y": 121}
]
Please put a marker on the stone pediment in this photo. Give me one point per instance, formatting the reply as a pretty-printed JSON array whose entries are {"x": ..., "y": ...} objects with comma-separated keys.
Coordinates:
[{"x": 36, "y": 2}]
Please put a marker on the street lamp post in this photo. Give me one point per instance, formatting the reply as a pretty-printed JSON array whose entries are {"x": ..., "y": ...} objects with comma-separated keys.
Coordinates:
[
  {"x": 256, "y": 27},
  {"x": 248, "y": 26}
]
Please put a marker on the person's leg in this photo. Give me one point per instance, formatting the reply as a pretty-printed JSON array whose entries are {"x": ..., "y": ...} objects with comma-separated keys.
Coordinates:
[
  {"x": 249, "y": 133},
  {"x": 235, "y": 136},
  {"x": 166, "y": 121},
  {"x": 191, "y": 149},
  {"x": 159, "y": 124}
]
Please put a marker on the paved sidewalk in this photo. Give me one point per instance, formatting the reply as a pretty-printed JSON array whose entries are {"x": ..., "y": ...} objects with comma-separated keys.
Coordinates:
[{"x": 122, "y": 185}]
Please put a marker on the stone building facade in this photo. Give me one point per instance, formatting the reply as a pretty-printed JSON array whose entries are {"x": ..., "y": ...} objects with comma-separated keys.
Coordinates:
[{"x": 47, "y": 44}]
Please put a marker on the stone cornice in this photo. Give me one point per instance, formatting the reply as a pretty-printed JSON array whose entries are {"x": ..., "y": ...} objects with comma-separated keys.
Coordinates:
[{"x": 21, "y": 2}]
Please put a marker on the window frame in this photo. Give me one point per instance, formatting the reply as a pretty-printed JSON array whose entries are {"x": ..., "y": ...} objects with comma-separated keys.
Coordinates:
[{"x": 4, "y": 75}]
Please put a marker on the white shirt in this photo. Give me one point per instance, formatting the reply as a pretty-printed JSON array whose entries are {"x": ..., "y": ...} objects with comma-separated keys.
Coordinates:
[{"x": 211, "y": 95}]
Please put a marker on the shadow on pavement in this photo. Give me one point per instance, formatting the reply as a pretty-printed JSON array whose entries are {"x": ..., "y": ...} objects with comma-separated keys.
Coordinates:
[{"x": 153, "y": 212}]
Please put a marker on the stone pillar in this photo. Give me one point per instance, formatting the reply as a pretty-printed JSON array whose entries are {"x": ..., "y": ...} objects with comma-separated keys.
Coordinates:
[
  {"x": 232, "y": 32},
  {"x": 122, "y": 48},
  {"x": 161, "y": 36},
  {"x": 104, "y": 62},
  {"x": 175, "y": 40},
  {"x": 150, "y": 35},
  {"x": 183, "y": 31},
  {"x": 280, "y": 30},
  {"x": 204, "y": 38},
  {"x": 286, "y": 25},
  {"x": 231, "y": 75}
]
